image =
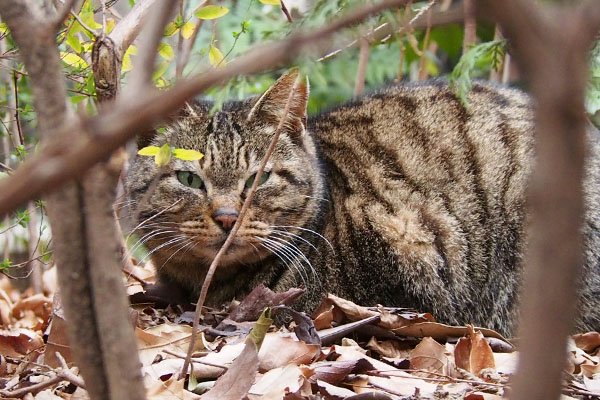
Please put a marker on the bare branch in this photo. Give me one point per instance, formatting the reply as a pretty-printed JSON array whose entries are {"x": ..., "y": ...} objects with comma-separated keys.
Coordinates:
[
  {"x": 83, "y": 24},
  {"x": 470, "y": 25},
  {"x": 63, "y": 13},
  {"x": 129, "y": 27},
  {"x": 106, "y": 132},
  {"x": 150, "y": 37}
]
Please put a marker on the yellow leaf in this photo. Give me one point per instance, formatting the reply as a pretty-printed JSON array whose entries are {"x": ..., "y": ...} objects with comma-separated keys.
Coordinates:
[
  {"x": 127, "y": 65},
  {"x": 170, "y": 29},
  {"x": 216, "y": 57},
  {"x": 211, "y": 12},
  {"x": 188, "y": 155},
  {"x": 131, "y": 50},
  {"x": 257, "y": 334},
  {"x": 271, "y": 2},
  {"x": 166, "y": 51},
  {"x": 187, "y": 30},
  {"x": 110, "y": 25},
  {"x": 163, "y": 156},
  {"x": 148, "y": 151},
  {"x": 3, "y": 28},
  {"x": 73, "y": 60}
]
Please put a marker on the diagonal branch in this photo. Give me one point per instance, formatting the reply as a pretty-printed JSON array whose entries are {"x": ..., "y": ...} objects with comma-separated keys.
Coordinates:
[
  {"x": 62, "y": 13},
  {"x": 105, "y": 133},
  {"x": 129, "y": 27}
]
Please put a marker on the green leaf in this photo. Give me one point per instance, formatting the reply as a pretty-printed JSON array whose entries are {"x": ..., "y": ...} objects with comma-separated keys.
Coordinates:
[
  {"x": 131, "y": 50},
  {"x": 187, "y": 30},
  {"x": 483, "y": 54},
  {"x": 163, "y": 156},
  {"x": 3, "y": 28},
  {"x": 271, "y": 2},
  {"x": 74, "y": 42},
  {"x": 166, "y": 51},
  {"x": 148, "y": 151},
  {"x": 5, "y": 264},
  {"x": 212, "y": 12},
  {"x": 188, "y": 155},
  {"x": 170, "y": 29},
  {"x": 77, "y": 99},
  {"x": 110, "y": 25},
  {"x": 257, "y": 335},
  {"x": 216, "y": 57},
  {"x": 88, "y": 19},
  {"x": 73, "y": 60}
]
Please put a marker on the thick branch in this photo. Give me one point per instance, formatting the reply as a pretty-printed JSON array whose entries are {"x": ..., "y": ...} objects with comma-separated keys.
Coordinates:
[
  {"x": 553, "y": 59},
  {"x": 106, "y": 132}
]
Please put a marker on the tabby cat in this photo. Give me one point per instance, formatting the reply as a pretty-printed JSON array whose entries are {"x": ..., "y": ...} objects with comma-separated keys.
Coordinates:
[{"x": 404, "y": 197}]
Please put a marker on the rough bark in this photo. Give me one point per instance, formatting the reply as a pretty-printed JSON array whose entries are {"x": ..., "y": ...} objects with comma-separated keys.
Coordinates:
[
  {"x": 553, "y": 59},
  {"x": 85, "y": 246}
]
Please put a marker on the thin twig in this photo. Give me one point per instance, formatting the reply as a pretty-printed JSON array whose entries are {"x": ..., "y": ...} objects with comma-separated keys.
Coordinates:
[
  {"x": 6, "y": 168},
  {"x": 17, "y": 115},
  {"x": 286, "y": 12},
  {"x": 470, "y": 25},
  {"x": 231, "y": 236},
  {"x": 83, "y": 24},
  {"x": 422, "y": 63}
]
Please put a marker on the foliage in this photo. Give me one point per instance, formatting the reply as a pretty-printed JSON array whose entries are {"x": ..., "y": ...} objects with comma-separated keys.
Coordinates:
[
  {"x": 479, "y": 58},
  {"x": 217, "y": 34},
  {"x": 162, "y": 155}
]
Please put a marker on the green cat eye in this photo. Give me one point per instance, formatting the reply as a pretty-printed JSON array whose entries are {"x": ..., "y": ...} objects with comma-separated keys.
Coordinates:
[
  {"x": 190, "y": 179},
  {"x": 263, "y": 179}
]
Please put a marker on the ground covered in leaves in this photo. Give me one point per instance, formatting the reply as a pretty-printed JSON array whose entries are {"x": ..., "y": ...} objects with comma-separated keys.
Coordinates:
[{"x": 344, "y": 351}]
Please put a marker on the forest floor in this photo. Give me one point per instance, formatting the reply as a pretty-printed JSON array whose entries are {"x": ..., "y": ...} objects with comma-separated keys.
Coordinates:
[{"x": 342, "y": 352}]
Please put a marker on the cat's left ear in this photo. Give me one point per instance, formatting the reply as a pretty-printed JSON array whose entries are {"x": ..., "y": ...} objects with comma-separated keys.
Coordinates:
[{"x": 271, "y": 105}]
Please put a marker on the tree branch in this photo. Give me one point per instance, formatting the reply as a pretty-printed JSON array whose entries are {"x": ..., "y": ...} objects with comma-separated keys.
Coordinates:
[
  {"x": 129, "y": 27},
  {"x": 62, "y": 13},
  {"x": 104, "y": 133}
]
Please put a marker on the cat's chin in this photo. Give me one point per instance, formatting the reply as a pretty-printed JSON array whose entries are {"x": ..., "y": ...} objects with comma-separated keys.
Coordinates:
[{"x": 236, "y": 254}]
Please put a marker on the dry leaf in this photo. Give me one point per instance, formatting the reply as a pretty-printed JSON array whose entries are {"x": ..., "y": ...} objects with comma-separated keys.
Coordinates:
[
  {"x": 277, "y": 382},
  {"x": 260, "y": 298},
  {"x": 587, "y": 341},
  {"x": 278, "y": 351},
  {"x": 323, "y": 320},
  {"x": 389, "y": 348},
  {"x": 473, "y": 353},
  {"x": 169, "y": 390},
  {"x": 430, "y": 356},
  {"x": 334, "y": 372},
  {"x": 333, "y": 392},
  {"x": 441, "y": 331},
  {"x": 17, "y": 342},
  {"x": 235, "y": 383}
]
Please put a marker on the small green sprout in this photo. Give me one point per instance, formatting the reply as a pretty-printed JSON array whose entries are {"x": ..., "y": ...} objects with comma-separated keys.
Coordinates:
[{"x": 162, "y": 155}]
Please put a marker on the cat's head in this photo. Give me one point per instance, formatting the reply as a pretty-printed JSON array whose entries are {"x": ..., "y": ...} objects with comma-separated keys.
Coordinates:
[{"x": 187, "y": 212}]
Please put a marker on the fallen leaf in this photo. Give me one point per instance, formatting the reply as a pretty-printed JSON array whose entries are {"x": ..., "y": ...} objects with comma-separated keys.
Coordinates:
[
  {"x": 334, "y": 372},
  {"x": 430, "y": 356},
  {"x": 17, "y": 342},
  {"x": 277, "y": 382},
  {"x": 587, "y": 341},
  {"x": 389, "y": 348},
  {"x": 333, "y": 392},
  {"x": 305, "y": 328},
  {"x": 439, "y": 331},
  {"x": 260, "y": 298},
  {"x": 169, "y": 390},
  {"x": 323, "y": 320},
  {"x": 278, "y": 351}
]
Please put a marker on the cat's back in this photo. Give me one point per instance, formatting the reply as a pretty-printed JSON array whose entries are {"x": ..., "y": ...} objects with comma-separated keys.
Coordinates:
[{"x": 434, "y": 189}]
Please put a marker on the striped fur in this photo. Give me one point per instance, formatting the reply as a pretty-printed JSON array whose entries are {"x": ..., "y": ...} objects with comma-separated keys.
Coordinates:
[{"x": 402, "y": 198}]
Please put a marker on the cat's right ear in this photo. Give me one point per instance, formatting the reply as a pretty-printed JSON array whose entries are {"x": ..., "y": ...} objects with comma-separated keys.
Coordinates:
[{"x": 271, "y": 105}]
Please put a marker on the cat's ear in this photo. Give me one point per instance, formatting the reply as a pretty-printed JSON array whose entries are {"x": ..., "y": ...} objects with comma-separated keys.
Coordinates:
[{"x": 271, "y": 105}]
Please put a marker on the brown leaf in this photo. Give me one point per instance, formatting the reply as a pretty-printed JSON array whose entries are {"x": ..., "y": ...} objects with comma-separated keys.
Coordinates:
[
  {"x": 278, "y": 351},
  {"x": 305, "y": 328},
  {"x": 17, "y": 342},
  {"x": 389, "y": 348},
  {"x": 323, "y": 319},
  {"x": 481, "y": 356},
  {"x": 235, "y": 383},
  {"x": 431, "y": 356},
  {"x": 335, "y": 372},
  {"x": 352, "y": 311},
  {"x": 333, "y": 392},
  {"x": 276, "y": 383},
  {"x": 398, "y": 318},
  {"x": 260, "y": 298},
  {"x": 441, "y": 331},
  {"x": 587, "y": 341},
  {"x": 462, "y": 353}
]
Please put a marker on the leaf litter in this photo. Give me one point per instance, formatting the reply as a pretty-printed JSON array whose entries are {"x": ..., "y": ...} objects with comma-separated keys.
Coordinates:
[{"x": 342, "y": 350}]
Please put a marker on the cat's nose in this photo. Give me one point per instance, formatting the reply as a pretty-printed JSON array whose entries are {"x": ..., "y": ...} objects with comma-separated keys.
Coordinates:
[{"x": 226, "y": 217}]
